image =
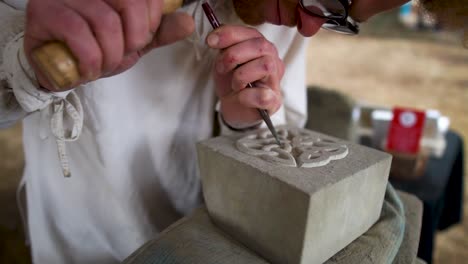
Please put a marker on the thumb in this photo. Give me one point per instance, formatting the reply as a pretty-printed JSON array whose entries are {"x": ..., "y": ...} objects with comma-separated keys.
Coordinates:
[{"x": 173, "y": 27}]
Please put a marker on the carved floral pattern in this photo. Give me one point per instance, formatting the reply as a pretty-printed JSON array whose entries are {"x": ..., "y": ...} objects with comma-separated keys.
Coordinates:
[{"x": 300, "y": 148}]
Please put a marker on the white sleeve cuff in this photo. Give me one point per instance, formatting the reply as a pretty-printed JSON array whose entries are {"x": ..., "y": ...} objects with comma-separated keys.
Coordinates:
[
  {"x": 225, "y": 129},
  {"x": 20, "y": 77}
]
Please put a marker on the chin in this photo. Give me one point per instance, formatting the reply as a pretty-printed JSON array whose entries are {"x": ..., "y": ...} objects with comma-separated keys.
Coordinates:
[
  {"x": 256, "y": 12},
  {"x": 248, "y": 11},
  {"x": 290, "y": 23}
]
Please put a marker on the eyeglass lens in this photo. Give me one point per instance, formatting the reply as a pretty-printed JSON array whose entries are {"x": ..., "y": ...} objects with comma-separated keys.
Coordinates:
[{"x": 334, "y": 26}]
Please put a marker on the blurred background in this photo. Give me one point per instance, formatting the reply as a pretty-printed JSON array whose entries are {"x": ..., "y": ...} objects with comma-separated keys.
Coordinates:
[{"x": 401, "y": 58}]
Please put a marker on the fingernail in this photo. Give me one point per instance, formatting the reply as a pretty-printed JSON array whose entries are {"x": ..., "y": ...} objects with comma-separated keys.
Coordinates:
[
  {"x": 107, "y": 73},
  {"x": 213, "y": 39},
  {"x": 92, "y": 77},
  {"x": 150, "y": 38}
]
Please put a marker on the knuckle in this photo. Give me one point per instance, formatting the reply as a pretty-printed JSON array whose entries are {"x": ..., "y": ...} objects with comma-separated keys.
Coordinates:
[
  {"x": 269, "y": 65},
  {"x": 71, "y": 24},
  {"x": 266, "y": 46},
  {"x": 110, "y": 21},
  {"x": 226, "y": 35},
  {"x": 229, "y": 59},
  {"x": 255, "y": 32}
]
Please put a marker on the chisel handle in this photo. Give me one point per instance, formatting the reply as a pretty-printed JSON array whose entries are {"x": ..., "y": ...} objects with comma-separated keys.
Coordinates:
[{"x": 56, "y": 61}]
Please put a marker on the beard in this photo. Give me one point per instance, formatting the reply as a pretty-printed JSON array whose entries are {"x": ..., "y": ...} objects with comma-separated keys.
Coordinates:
[{"x": 247, "y": 10}]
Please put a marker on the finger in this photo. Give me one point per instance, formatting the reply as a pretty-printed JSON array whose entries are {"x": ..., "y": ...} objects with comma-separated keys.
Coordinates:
[
  {"x": 244, "y": 52},
  {"x": 107, "y": 26},
  {"x": 155, "y": 8},
  {"x": 228, "y": 35},
  {"x": 362, "y": 10},
  {"x": 136, "y": 23},
  {"x": 263, "y": 72},
  {"x": 127, "y": 62},
  {"x": 260, "y": 98},
  {"x": 173, "y": 27},
  {"x": 71, "y": 28}
]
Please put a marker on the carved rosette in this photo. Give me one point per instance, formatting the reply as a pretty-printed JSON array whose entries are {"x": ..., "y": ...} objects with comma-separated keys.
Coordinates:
[{"x": 300, "y": 148}]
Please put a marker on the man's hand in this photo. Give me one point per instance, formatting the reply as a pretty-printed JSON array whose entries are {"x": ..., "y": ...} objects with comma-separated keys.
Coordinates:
[
  {"x": 106, "y": 36},
  {"x": 245, "y": 57}
]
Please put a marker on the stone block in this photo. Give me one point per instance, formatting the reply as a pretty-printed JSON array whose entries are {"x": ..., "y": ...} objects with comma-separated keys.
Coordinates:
[{"x": 298, "y": 203}]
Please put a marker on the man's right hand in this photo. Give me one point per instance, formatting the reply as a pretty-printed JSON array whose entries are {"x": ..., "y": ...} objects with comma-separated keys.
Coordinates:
[{"x": 107, "y": 37}]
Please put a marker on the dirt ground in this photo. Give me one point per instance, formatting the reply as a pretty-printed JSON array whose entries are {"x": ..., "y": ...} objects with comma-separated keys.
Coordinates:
[{"x": 385, "y": 66}]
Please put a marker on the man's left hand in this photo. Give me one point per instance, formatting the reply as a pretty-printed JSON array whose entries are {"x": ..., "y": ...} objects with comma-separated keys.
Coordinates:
[{"x": 245, "y": 56}]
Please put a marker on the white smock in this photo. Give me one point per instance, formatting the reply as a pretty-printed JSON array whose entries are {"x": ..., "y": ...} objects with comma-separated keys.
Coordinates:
[{"x": 128, "y": 141}]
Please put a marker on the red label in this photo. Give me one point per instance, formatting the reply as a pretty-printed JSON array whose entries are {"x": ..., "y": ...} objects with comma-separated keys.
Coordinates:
[{"x": 405, "y": 131}]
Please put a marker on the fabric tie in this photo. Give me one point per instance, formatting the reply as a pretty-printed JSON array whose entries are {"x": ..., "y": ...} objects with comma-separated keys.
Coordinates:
[{"x": 68, "y": 109}]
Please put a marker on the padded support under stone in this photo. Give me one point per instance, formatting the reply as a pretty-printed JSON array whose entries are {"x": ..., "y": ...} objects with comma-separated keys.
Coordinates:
[
  {"x": 196, "y": 240},
  {"x": 293, "y": 214}
]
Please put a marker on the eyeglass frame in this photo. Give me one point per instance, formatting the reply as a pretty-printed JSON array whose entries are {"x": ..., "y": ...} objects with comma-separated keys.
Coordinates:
[{"x": 346, "y": 21}]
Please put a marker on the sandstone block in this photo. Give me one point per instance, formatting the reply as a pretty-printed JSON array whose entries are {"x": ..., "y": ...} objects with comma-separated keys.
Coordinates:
[{"x": 298, "y": 203}]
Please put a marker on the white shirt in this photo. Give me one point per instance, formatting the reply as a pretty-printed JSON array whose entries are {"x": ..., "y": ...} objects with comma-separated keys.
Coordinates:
[{"x": 133, "y": 165}]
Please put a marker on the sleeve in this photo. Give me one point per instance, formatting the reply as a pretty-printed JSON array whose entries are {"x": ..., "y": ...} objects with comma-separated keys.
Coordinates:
[
  {"x": 16, "y": 4},
  {"x": 11, "y": 24},
  {"x": 19, "y": 93}
]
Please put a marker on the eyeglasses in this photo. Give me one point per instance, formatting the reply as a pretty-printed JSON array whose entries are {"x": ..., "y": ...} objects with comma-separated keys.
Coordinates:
[{"x": 334, "y": 11}]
